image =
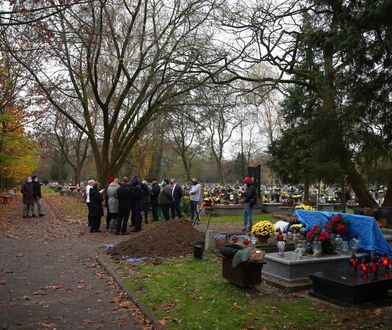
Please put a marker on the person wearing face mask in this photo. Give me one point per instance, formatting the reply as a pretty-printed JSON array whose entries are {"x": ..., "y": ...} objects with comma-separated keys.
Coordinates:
[
  {"x": 36, "y": 197},
  {"x": 194, "y": 196},
  {"x": 27, "y": 192},
  {"x": 250, "y": 201}
]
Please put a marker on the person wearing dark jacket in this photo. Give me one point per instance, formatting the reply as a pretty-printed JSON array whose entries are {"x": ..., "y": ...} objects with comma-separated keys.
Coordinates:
[
  {"x": 177, "y": 194},
  {"x": 165, "y": 199},
  {"x": 28, "y": 196},
  {"x": 154, "y": 194},
  {"x": 250, "y": 200},
  {"x": 36, "y": 197},
  {"x": 124, "y": 206},
  {"x": 136, "y": 193},
  {"x": 145, "y": 200},
  {"x": 96, "y": 208}
]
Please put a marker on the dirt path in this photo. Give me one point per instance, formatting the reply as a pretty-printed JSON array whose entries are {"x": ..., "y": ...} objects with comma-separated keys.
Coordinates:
[{"x": 49, "y": 279}]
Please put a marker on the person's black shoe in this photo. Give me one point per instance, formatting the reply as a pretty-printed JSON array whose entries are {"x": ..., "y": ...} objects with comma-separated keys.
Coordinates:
[
  {"x": 92, "y": 230},
  {"x": 33, "y": 215},
  {"x": 97, "y": 230},
  {"x": 41, "y": 215},
  {"x": 134, "y": 230},
  {"x": 116, "y": 233},
  {"x": 125, "y": 233}
]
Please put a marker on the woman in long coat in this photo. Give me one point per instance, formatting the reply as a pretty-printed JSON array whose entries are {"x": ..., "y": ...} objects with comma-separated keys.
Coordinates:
[
  {"x": 96, "y": 208},
  {"x": 145, "y": 200},
  {"x": 112, "y": 201}
]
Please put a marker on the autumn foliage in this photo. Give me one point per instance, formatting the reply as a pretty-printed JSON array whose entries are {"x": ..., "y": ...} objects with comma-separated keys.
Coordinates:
[{"x": 19, "y": 154}]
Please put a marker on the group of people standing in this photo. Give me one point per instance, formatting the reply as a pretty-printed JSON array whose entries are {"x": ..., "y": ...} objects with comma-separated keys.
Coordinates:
[
  {"x": 31, "y": 191},
  {"x": 134, "y": 199}
]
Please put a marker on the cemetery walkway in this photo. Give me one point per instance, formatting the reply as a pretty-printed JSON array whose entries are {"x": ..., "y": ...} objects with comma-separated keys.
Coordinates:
[{"x": 49, "y": 278}]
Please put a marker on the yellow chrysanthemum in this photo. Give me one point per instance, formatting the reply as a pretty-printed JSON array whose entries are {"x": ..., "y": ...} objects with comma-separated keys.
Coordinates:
[
  {"x": 304, "y": 207},
  {"x": 263, "y": 228}
]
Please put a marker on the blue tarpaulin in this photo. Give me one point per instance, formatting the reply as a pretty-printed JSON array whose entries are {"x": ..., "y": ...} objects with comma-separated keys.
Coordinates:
[{"x": 366, "y": 228}]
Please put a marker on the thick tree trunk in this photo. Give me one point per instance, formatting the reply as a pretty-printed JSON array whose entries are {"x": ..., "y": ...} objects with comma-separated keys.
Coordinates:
[
  {"x": 220, "y": 171},
  {"x": 359, "y": 187},
  {"x": 186, "y": 167}
]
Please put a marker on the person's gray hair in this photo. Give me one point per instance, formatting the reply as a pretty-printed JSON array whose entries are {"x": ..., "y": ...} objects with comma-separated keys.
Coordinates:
[{"x": 91, "y": 182}]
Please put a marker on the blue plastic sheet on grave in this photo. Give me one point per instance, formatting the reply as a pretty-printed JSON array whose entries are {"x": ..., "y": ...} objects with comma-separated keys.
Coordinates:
[
  {"x": 136, "y": 259},
  {"x": 365, "y": 227},
  {"x": 109, "y": 245}
]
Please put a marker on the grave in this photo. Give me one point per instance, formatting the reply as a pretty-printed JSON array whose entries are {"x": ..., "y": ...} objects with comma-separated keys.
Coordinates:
[
  {"x": 348, "y": 287},
  {"x": 290, "y": 272}
]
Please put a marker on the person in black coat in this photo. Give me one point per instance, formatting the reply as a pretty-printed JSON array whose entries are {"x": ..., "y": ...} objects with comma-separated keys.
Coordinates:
[
  {"x": 96, "y": 208},
  {"x": 36, "y": 197},
  {"x": 250, "y": 196},
  {"x": 136, "y": 206},
  {"x": 28, "y": 196},
  {"x": 154, "y": 194},
  {"x": 177, "y": 194},
  {"x": 124, "y": 206},
  {"x": 145, "y": 200}
]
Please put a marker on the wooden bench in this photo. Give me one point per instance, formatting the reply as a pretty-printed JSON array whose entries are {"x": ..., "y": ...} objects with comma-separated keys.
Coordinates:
[{"x": 7, "y": 197}]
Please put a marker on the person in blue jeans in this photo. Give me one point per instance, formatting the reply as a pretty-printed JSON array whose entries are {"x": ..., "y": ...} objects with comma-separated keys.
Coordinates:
[
  {"x": 194, "y": 196},
  {"x": 250, "y": 200}
]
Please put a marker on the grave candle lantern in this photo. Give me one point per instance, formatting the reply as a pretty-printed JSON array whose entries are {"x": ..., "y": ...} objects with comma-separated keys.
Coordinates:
[
  {"x": 353, "y": 261},
  {"x": 385, "y": 261},
  {"x": 364, "y": 266}
]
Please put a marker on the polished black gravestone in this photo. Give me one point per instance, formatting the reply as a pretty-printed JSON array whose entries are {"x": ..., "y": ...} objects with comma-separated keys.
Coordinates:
[{"x": 346, "y": 287}]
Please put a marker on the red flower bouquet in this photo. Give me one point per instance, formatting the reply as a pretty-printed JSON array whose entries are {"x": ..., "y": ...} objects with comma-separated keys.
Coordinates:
[
  {"x": 337, "y": 225},
  {"x": 323, "y": 236}
]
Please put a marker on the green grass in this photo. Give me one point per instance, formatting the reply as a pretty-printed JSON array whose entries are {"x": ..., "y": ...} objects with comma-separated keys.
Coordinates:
[
  {"x": 237, "y": 218},
  {"x": 48, "y": 191},
  {"x": 191, "y": 294}
]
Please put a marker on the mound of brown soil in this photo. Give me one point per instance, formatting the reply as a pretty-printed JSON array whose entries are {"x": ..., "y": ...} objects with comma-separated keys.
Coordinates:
[{"x": 173, "y": 238}]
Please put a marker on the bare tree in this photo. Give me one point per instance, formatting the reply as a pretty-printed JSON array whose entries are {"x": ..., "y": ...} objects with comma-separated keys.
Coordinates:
[
  {"x": 126, "y": 59},
  {"x": 221, "y": 117},
  {"x": 186, "y": 135}
]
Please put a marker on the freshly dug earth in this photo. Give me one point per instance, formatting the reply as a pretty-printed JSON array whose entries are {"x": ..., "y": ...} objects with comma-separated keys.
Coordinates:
[{"x": 173, "y": 238}]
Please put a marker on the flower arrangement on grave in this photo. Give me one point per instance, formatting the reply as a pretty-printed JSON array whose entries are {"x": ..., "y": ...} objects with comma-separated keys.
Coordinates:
[
  {"x": 305, "y": 207},
  {"x": 317, "y": 234},
  {"x": 296, "y": 228},
  {"x": 337, "y": 225},
  {"x": 263, "y": 229}
]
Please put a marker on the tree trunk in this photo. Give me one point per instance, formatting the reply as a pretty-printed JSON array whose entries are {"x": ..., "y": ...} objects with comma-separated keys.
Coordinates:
[
  {"x": 388, "y": 197},
  {"x": 220, "y": 171},
  {"x": 359, "y": 187},
  {"x": 344, "y": 196},
  {"x": 306, "y": 189},
  {"x": 186, "y": 167}
]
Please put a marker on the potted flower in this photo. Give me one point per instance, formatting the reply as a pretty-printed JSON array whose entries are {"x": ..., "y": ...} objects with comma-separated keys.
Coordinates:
[
  {"x": 337, "y": 225},
  {"x": 263, "y": 230},
  {"x": 304, "y": 207},
  {"x": 317, "y": 234},
  {"x": 296, "y": 228}
]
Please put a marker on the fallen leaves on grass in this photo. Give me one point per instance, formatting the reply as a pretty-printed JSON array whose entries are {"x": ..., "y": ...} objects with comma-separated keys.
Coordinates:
[{"x": 167, "y": 307}]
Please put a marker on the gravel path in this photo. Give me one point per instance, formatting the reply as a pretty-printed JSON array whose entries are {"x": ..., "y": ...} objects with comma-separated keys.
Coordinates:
[{"x": 49, "y": 279}]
